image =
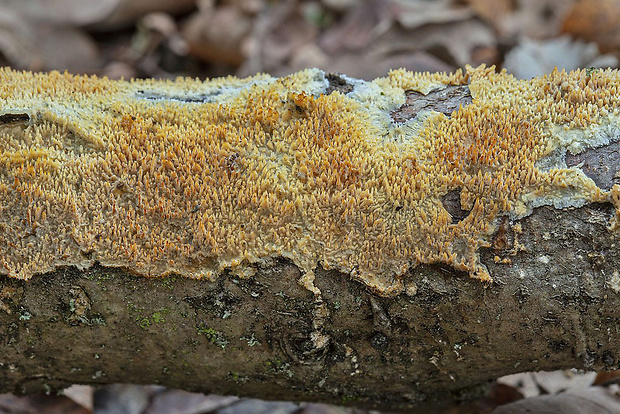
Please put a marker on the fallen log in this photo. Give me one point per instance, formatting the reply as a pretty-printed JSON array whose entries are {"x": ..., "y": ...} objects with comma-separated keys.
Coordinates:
[{"x": 313, "y": 237}]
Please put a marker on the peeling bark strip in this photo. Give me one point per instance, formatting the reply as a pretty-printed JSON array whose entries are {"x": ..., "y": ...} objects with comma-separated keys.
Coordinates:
[
  {"x": 195, "y": 178},
  {"x": 308, "y": 178}
]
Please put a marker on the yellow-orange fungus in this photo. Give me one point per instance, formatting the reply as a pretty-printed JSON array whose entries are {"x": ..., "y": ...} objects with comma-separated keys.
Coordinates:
[{"x": 194, "y": 177}]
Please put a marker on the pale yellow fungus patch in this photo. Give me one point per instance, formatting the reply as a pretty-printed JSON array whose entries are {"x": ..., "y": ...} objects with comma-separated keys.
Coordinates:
[{"x": 195, "y": 177}]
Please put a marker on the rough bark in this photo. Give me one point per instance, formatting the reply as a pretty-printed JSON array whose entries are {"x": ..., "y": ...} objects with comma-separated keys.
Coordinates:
[
  {"x": 557, "y": 305},
  {"x": 554, "y": 303}
]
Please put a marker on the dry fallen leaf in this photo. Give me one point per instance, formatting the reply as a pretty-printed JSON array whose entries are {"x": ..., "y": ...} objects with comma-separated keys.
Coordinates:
[
  {"x": 34, "y": 404},
  {"x": 216, "y": 34},
  {"x": 34, "y": 45},
  {"x": 63, "y": 12},
  {"x": 16, "y": 40},
  {"x": 64, "y": 48},
  {"x": 372, "y": 39},
  {"x": 250, "y": 405},
  {"x": 103, "y": 14},
  {"x": 535, "y": 58},
  {"x": 371, "y": 66},
  {"x": 370, "y": 20},
  {"x": 82, "y": 395},
  {"x": 123, "y": 398},
  {"x": 155, "y": 29},
  {"x": 340, "y": 5},
  {"x": 533, "y": 384},
  {"x": 276, "y": 37},
  {"x": 182, "y": 402},
  {"x": 492, "y": 11},
  {"x": 595, "y": 21},
  {"x": 454, "y": 43},
  {"x": 317, "y": 408},
  {"x": 536, "y": 19},
  {"x": 412, "y": 14},
  {"x": 128, "y": 11},
  {"x": 607, "y": 377},
  {"x": 592, "y": 400},
  {"x": 360, "y": 26}
]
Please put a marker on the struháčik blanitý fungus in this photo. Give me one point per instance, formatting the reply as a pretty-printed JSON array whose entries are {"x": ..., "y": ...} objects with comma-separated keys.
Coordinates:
[{"x": 194, "y": 177}]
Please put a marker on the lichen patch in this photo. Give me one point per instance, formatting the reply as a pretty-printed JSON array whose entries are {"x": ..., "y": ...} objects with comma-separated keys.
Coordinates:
[
  {"x": 614, "y": 282},
  {"x": 195, "y": 177}
]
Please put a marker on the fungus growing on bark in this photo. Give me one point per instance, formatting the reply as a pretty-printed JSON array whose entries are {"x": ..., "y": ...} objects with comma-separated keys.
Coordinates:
[{"x": 194, "y": 177}]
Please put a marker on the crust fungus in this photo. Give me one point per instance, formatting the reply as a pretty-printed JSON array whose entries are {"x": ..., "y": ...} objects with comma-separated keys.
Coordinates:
[{"x": 195, "y": 178}]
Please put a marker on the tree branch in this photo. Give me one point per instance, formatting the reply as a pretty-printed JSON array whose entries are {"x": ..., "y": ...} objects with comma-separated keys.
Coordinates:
[{"x": 355, "y": 286}]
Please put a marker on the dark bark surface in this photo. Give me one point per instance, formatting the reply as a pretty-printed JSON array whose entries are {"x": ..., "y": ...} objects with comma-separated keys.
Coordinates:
[{"x": 555, "y": 305}]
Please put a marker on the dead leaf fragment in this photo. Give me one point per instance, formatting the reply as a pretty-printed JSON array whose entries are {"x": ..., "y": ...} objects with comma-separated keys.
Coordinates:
[
  {"x": 492, "y": 11},
  {"x": 360, "y": 26},
  {"x": 277, "y": 37},
  {"x": 537, "y": 19},
  {"x": 34, "y": 45},
  {"x": 100, "y": 14},
  {"x": 412, "y": 14},
  {"x": 535, "y": 58},
  {"x": 63, "y": 12},
  {"x": 183, "y": 402},
  {"x": 454, "y": 43},
  {"x": 340, "y": 5},
  {"x": 595, "y": 21},
  {"x": 122, "y": 398},
  {"x": 82, "y": 395},
  {"x": 217, "y": 34},
  {"x": 592, "y": 400},
  {"x": 128, "y": 11},
  {"x": 64, "y": 48},
  {"x": 50, "y": 404},
  {"x": 607, "y": 377},
  {"x": 533, "y": 384}
]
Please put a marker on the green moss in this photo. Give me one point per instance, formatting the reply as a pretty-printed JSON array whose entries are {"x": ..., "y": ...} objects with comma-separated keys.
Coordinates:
[
  {"x": 145, "y": 321},
  {"x": 158, "y": 317},
  {"x": 168, "y": 282},
  {"x": 349, "y": 398},
  {"x": 237, "y": 378}
]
